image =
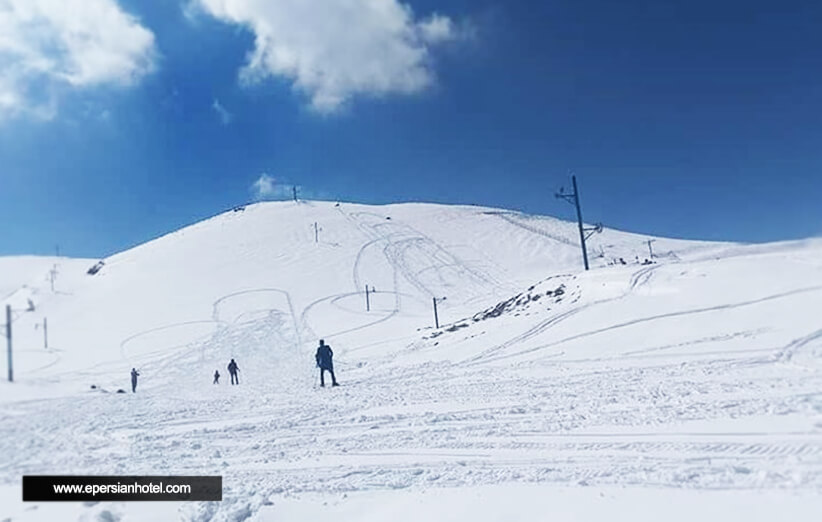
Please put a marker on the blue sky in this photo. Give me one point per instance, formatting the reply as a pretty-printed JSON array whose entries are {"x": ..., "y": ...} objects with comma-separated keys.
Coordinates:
[{"x": 689, "y": 119}]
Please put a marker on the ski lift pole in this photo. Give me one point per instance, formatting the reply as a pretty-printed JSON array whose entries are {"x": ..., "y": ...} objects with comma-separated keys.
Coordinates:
[
  {"x": 579, "y": 222},
  {"x": 436, "y": 316},
  {"x": 574, "y": 200}
]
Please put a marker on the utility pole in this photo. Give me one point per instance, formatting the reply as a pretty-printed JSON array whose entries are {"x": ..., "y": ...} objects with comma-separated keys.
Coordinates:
[
  {"x": 367, "y": 300},
  {"x": 584, "y": 232},
  {"x": 436, "y": 316},
  {"x": 53, "y": 276},
  {"x": 651, "y": 248},
  {"x": 8, "y": 339},
  {"x": 579, "y": 222}
]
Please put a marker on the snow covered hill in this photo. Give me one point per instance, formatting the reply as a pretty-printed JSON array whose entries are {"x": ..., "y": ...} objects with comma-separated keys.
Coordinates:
[{"x": 694, "y": 379}]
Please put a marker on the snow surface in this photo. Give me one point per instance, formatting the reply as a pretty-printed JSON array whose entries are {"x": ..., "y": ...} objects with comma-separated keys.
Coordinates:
[{"x": 689, "y": 388}]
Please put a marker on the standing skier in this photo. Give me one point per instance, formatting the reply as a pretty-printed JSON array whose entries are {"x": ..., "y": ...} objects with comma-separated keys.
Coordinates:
[
  {"x": 216, "y": 377},
  {"x": 232, "y": 371},
  {"x": 134, "y": 375},
  {"x": 324, "y": 361}
]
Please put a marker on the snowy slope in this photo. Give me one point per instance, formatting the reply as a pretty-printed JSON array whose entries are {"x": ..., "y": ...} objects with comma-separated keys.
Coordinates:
[
  {"x": 184, "y": 286},
  {"x": 697, "y": 373},
  {"x": 29, "y": 277}
]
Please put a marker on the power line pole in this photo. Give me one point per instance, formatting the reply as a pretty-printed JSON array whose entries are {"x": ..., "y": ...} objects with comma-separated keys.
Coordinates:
[
  {"x": 584, "y": 233},
  {"x": 436, "y": 316},
  {"x": 52, "y": 276},
  {"x": 579, "y": 222},
  {"x": 8, "y": 339}
]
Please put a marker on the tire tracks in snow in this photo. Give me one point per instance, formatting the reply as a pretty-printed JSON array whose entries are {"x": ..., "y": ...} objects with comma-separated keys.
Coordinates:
[
  {"x": 404, "y": 238},
  {"x": 669, "y": 315},
  {"x": 637, "y": 280}
]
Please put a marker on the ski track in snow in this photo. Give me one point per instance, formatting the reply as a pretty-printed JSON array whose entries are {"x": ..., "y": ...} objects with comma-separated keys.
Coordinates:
[
  {"x": 516, "y": 219},
  {"x": 414, "y": 253},
  {"x": 550, "y": 322},
  {"x": 484, "y": 433}
]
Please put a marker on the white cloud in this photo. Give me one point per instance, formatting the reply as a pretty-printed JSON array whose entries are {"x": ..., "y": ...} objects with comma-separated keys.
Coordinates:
[
  {"x": 334, "y": 50},
  {"x": 267, "y": 187},
  {"x": 222, "y": 112},
  {"x": 47, "y": 46},
  {"x": 437, "y": 29}
]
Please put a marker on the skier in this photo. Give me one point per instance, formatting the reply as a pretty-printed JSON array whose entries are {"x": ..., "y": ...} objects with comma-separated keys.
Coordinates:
[
  {"x": 216, "y": 377},
  {"x": 134, "y": 375},
  {"x": 232, "y": 370},
  {"x": 324, "y": 362}
]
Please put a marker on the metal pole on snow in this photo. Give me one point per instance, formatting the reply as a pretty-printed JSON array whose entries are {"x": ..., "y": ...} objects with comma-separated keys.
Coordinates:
[{"x": 584, "y": 233}]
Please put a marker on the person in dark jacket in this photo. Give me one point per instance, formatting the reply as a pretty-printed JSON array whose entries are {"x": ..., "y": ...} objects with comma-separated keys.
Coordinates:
[
  {"x": 216, "y": 377},
  {"x": 324, "y": 361},
  {"x": 232, "y": 370},
  {"x": 134, "y": 375}
]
